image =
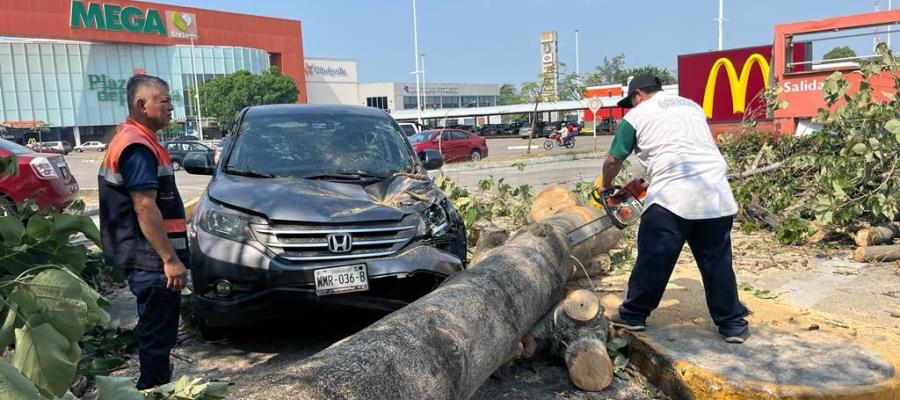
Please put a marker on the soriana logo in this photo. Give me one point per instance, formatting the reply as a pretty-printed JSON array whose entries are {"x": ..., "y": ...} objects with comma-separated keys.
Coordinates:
[
  {"x": 115, "y": 18},
  {"x": 181, "y": 25}
]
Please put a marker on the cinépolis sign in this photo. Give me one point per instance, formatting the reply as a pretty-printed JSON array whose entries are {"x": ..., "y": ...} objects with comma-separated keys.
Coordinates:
[{"x": 115, "y": 18}]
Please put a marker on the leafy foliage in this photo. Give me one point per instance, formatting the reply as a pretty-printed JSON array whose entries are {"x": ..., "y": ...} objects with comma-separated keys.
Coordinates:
[
  {"x": 839, "y": 52},
  {"x": 616, "y": 348},
  {"x": 493, "y": 200},
  {"x": 841, "y": 177},
  {"x": 185, "y": 388},
  {"x": 224, "y": 96}
]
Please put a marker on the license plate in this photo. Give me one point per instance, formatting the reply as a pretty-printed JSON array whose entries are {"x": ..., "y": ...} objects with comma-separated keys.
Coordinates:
[{"x": 346, "y": 279}]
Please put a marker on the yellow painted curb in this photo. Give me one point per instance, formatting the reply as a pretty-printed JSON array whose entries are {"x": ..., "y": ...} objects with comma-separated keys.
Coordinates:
[{"x": 189, "y": 207}]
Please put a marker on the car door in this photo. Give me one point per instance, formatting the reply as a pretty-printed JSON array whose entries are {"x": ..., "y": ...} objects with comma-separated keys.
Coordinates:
[
  {"x": 461, "y": 144},
  {"x": 210, "y": 154},
  {"x": 446, "y": 145}
]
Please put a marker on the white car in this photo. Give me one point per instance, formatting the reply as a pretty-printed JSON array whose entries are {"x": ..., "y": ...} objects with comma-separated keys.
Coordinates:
[{"x": 96, "y": 146}]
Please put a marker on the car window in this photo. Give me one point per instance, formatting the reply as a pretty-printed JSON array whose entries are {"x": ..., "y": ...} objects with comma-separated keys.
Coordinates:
[
  {"x": 457, "y": 135},
  {"x": 421, "y": 137},
  {"x": 408, "y": 129},
  {"x": 173, "y": 147},
  {"x": 13, "y": 147},
  {"x": 313, "y": 144},
  {"x": 445, "y": 135},
  {"x": 197, "y": 147}
]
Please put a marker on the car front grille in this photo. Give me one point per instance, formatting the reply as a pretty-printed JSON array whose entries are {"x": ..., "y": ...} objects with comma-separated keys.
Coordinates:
[{"x": 296, "y": 242}]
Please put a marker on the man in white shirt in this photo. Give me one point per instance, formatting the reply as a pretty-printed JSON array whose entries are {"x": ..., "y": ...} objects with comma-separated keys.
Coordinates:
[{"x": 689, "y": 200}]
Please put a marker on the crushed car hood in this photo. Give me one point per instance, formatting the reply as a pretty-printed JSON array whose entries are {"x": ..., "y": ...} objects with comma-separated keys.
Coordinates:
[{"x": 320, "y": 201}]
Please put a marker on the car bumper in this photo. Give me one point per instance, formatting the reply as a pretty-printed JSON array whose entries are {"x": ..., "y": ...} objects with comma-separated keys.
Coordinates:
[{"x": 264, "y": 286}]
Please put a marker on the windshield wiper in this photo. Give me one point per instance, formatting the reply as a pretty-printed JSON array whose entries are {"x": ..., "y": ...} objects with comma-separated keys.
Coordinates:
[
  {"x": 248, "y": 172},
  {"x": 347, "y": 176}
]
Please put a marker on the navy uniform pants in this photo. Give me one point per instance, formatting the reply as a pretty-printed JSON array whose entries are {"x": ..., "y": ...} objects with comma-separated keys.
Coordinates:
[
  {"x": 661, "y": 236},
  {"x": 157, "y": 328}
]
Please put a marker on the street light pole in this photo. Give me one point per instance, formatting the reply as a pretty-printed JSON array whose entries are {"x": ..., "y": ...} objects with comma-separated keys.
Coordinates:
[
  {"x": 416, "y": 58},
  {"x": 721, "y": 21},
  {"x": 196, "y": 93},
  {"x": 577, "y": 60}
]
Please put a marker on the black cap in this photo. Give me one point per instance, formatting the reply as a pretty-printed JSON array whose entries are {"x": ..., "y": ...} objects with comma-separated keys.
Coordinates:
[{"x": 641, "y": 81}]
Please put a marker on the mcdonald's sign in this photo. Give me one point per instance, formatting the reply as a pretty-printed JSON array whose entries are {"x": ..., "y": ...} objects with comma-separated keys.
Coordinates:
[{"x": 728, "y": 84}]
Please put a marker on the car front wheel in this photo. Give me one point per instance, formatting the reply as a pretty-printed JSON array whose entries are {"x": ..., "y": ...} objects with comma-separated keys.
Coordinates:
[{"x": 475, "y": 155}]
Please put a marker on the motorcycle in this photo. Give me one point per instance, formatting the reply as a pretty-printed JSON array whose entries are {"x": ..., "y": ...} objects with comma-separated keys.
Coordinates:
[{"x": 556, "y": 140}]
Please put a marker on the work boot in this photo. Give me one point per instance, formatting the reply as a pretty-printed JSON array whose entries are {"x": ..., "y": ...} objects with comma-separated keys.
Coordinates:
[{"x": 628, "y": 325}]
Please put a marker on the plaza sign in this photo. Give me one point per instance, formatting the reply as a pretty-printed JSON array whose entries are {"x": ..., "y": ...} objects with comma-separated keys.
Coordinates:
[
  {"x": 113, "y": 90},
  {"x": 115, "y": 18}
]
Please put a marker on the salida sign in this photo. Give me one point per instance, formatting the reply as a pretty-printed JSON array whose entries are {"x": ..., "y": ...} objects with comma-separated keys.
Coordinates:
[{"x": 113, "y": 17}]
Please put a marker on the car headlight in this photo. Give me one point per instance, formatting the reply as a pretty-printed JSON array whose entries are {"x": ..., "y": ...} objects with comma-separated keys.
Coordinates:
[
  {"x": 436, "y": 220},
  {"x": 224, "y": 222}
]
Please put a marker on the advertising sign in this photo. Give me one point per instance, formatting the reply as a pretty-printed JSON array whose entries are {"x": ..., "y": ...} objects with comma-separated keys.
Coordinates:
[
  {"x": 729, "y": 84},
  {"x": 549, "y": 70},
  {"x": 115, "y": 18}
]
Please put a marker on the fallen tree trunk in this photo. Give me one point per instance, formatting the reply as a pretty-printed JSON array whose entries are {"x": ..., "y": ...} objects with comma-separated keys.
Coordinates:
[
  {"x": 877, "y": 253},
  {"x": 489, "y": 238},
  {"x": 446, "y": 344},
  {"x": 877, "y": 234}
]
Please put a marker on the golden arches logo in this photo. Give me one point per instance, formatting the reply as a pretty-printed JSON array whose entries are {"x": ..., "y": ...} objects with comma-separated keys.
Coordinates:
[{"x": 737, "y": 84}]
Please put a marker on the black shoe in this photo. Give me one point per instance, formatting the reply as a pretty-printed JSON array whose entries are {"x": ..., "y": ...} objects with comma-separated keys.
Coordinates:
[
  {"x": 628, "y": 325},
  {"x": 738, "y": 338}
]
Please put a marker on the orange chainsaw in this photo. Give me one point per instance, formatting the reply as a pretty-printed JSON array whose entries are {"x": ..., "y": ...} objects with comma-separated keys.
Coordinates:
[{"x": 623, "y": 206}]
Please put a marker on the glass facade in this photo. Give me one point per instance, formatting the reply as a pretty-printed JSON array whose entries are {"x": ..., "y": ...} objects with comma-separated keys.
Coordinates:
[
  {"x": 74, "y": 84},
  {"x": 432, "y": 102}
]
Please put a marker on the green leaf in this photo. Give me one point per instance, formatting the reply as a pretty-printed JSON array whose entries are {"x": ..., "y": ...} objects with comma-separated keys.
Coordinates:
[
  {"x": 7, "y": 330},
  {"x": 64, "y": 225},
  {"x": 71, "y": 256},
  {"x": 617, "y": 343},
  {"x": 46, "y": 357},
  {"x": 859, "y": 148},
  {"x": 893, "y": 126},
  {"x": 69, "y": 304},
  {"x": 14, "y": 385},
  {"x": 11, "y": 230},
  {"x": 9, "y": 167},
  {"x": 38, "y": 227},
  {"x": 117, "y": 388}
]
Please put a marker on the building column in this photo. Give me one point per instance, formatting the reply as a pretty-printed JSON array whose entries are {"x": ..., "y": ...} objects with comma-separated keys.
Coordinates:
[{"x": 77, "y": 134}]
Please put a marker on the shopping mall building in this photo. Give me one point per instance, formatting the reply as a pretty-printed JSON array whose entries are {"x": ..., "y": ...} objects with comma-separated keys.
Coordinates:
[{"x": 64, "y": 63}]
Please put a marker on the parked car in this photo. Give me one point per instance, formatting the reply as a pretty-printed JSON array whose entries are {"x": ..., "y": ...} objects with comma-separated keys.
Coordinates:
[
  {"x": 90, "y": 146},
  {"x": 44, "y": 178},
  {"x": 455, "y": 145},
  {"x": 410, "y": 128},
  {"x": 511, "y": 128},
  {"x": 607, "y": 126},
  {"x": 60, "y": 147},
  {"x": 177, "y": 151},
  {"x": 185, "y": 138},
  {"x": 317, "y": 205},
  {"x": 525, "y": 130}
]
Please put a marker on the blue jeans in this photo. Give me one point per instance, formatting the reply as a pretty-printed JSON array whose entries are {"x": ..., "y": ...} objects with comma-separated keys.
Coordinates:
[
  {"x": 661, "y": 236},
  {"x": 157, "y": 328}
]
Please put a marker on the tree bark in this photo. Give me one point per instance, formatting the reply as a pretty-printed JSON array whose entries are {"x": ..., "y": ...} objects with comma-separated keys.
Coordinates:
[
  {"x": 756, "y": 211},
  {"x": 589, "y": 365},
  {"x": 877, "y": 253},
  {"x": 446, "y": 344},
  {"x": 490, "y": 238},
  {"x": 877, "y": 234}
]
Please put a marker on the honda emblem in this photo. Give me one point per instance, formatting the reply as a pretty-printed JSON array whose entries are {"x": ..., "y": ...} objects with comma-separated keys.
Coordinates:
[{"x": 339, "y": 242}]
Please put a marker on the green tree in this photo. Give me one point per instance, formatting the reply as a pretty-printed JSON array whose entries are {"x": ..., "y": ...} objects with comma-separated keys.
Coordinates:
[
  {"x": 607, "y": 72},
  {"x": 224, "y": 96},
  {"x": 509, "y": 94},
  {"x": 839, "y": 52},
  {"x": 664, "y": 75}
]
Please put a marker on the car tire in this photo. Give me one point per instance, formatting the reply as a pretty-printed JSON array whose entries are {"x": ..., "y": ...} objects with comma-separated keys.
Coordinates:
[
  {"x": 210, "y": 333},
  {"x": 176, "y": 165},
  {"x": 548, "y": 144},
  {"x": 475, "y": 155},
  {"x": 79, "y": 150}
]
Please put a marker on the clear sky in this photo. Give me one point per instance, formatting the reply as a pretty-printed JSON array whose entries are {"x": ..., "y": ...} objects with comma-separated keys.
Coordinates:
[{"x": 497, "y": 41}]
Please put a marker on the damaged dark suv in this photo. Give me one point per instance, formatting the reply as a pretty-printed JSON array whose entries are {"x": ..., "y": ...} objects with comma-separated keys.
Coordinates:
[{"x": 313, "y": 205}]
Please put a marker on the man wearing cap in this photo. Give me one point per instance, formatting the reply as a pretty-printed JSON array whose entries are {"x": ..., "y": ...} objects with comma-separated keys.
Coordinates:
[{"x": 689, "y": 200}]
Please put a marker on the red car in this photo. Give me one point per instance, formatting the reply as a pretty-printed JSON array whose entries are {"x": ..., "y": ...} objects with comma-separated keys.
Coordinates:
[
  {"x": 44, "y": 178},
  {"x": 455, "y": 144}
]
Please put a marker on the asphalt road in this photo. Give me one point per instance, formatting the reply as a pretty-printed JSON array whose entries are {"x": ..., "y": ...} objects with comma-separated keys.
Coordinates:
[{"x": 85, "y": 165}]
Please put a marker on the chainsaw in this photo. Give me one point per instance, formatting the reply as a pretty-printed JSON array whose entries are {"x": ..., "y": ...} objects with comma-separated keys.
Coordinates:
[{"x": 623, "y": 206}]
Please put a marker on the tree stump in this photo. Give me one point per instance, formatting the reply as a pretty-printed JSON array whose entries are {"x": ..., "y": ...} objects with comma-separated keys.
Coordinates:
[{"x": 877, "y": 234}]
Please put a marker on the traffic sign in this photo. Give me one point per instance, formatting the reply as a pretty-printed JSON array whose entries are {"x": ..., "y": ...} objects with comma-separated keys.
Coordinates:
[{"x": 594, "y": 104}]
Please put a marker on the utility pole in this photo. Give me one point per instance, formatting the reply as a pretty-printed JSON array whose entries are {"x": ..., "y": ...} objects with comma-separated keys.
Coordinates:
[
  {"x": 416, "y": 58},
  {"x": 422, "y": 58},
  {"x": 196, "y": 93},
  {"x": 577, "y": 60},
  {"x": 721, "y": 21}
]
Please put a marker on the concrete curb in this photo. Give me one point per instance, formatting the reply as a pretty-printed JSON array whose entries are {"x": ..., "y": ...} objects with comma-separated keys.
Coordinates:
[
  {"x": 469, "y": 166},
  {"x": 682, "y": 379}
]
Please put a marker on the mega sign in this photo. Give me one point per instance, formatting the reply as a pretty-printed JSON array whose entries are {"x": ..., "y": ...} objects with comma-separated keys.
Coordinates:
[
  {"x": 113, "y": 17},
  {"x": 727, "y": 93}
]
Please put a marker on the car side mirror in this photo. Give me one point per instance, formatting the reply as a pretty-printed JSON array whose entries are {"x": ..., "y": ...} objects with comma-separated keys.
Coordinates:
[
  {"x": 198, "y": 163},
  {"x": 432, "y": 159}
]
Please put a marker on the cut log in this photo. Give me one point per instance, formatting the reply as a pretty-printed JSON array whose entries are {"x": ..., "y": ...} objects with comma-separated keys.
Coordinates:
[
  {"x": 551, "y": 200},
  {"x": 756, "y": 211},
  {"x": 877, "y": 234},
  {"x": 589, "y": 365},
  {"x": 877, "y": 253},
  {"x": 581, "y": 305},
  {"x": 446, "y": 344}
]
